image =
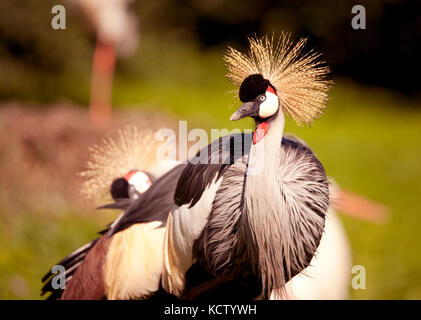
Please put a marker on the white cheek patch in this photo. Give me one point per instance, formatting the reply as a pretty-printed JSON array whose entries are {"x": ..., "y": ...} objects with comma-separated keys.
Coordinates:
[
  {"x": 140, "y": 181},
  {"x": 269, "y": 106}
]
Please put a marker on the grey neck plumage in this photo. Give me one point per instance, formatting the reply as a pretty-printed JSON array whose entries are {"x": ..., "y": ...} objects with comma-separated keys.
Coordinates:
[
  {"x": 285, "y": 199},
  {"x": 262, "y": 203}
]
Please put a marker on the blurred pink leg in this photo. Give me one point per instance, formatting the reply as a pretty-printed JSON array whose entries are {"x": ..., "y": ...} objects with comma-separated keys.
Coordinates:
[{"x": 101, "y": 84}]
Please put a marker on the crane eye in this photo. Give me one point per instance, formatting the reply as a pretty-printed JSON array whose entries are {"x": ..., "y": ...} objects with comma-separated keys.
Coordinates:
[{"x": 262, "y": 98}]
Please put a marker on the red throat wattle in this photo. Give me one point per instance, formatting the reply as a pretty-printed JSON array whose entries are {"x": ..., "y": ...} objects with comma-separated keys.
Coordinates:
[{"x": 260, "y": 132}]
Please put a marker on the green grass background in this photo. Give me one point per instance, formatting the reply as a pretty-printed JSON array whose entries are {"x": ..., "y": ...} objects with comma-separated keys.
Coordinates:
[{"x": 369, "y": 140}]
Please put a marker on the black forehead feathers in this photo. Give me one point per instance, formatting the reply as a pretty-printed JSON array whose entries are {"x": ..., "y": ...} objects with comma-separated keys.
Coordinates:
[
  {"x": 119, "y": 188},
  {"x": 253, "y": 86}
]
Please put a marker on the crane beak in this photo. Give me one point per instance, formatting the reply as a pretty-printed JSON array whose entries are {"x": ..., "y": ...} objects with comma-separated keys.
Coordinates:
[{"x": 247, "y": 109}]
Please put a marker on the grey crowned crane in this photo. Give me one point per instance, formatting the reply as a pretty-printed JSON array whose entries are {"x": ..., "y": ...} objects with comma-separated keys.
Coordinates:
[
  {"x": 241, "y": 221},
  {"x": 250, "y": 225},
  {"x": 116, "y": 32}
]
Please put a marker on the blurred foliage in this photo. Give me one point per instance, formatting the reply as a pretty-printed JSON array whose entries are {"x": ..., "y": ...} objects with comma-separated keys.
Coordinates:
[
  {"x": 39, "y": 63},
  {"x": 368, "y": 140},
  {"x": 36, "y": 62}
]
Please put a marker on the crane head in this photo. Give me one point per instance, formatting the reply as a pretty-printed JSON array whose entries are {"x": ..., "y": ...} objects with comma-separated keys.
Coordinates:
[
  {"x": 131, "y": 185},
  {"x": 259, "y": 98}
]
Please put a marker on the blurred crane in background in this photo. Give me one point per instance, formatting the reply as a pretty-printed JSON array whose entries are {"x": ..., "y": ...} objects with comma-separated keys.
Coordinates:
[
  {"x": 124, "y": 168},
  {"x": 116, "y": 34}
]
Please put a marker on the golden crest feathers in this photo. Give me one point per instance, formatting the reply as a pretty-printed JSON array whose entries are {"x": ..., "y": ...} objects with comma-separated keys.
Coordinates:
[
  {"x": 299, "y": 78},
  {"x": 113, "y": 158}
]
